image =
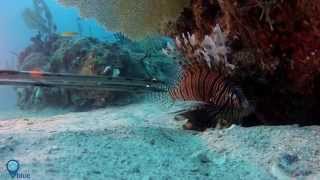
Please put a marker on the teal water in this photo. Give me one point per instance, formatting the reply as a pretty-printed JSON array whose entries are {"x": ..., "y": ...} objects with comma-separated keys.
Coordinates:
[{"x": 15, "y": 36}]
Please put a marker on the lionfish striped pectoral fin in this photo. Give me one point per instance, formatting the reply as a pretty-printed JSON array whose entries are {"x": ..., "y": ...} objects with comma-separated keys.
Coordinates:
[
  {"x": 181, "y": 107},
  {"x": 218, "y": 99}
]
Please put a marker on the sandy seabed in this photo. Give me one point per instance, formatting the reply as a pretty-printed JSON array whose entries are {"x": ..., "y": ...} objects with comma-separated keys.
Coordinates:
[{"x": 142, "y": 141}]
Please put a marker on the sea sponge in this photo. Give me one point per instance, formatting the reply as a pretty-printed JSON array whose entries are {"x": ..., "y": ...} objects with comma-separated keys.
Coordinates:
[{"x": 136, "y": 18}]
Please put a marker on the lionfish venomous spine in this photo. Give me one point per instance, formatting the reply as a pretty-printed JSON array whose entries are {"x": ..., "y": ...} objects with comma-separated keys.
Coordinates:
[{"x": 200, "y": 82}]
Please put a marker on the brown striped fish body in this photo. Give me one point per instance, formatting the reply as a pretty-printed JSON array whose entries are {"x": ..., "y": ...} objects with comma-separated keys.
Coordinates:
[{"x": 202, "y": 84}]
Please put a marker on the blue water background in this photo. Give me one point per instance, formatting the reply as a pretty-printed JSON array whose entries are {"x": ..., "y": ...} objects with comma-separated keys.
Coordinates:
[{"x": 15, "y": 35}]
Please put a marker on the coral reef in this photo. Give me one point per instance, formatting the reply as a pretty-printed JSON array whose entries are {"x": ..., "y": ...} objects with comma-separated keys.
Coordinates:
[
  {"x": 270, "y": 47},
  {"x": 87, "y": 56},
  {"x": 264, "y": 26},
  {"x": 137, "y": 19},
  {"x": 274, "y": 47}
]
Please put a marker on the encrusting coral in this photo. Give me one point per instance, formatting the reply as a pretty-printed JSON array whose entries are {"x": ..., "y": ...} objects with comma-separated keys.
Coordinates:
[
  {"x": 274, "y": 45},
  {"x": 137, "y": 19}
]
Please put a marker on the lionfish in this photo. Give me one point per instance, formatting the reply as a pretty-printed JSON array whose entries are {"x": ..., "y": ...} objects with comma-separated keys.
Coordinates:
[{"x": 217, "y": 102}]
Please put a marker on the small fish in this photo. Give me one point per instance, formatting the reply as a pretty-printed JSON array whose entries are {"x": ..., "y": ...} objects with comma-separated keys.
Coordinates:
[
  {"x": 106, "y": 69},
  {"x": 69, "y": 34}
]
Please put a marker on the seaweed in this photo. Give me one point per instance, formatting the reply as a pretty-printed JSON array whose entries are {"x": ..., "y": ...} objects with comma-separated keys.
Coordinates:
[{"x": 39, "y": 18}]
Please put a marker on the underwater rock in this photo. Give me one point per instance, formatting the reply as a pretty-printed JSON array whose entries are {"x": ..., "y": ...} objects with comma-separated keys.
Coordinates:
[
  {"x": 289, "y": 167},
  {"x": 274, "y": 47}
]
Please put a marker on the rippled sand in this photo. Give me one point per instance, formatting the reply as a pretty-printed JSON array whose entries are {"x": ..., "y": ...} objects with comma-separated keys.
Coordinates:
[{"x": 143, "y": 142}]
